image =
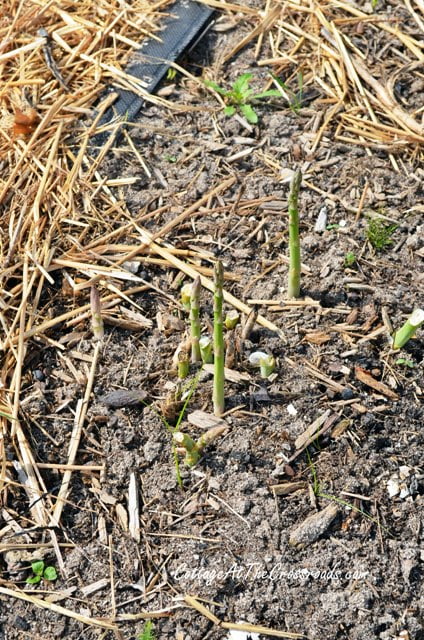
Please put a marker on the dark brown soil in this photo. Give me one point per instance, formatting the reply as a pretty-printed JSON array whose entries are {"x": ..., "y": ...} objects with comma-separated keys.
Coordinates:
[{"x": 223, "y": 536}]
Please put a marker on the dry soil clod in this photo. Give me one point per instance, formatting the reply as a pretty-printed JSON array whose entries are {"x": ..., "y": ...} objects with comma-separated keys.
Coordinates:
[{"x": 314, "y": 526}]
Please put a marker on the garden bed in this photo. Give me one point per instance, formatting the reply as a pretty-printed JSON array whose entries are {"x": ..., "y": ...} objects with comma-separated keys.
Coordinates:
[{"x": 186, "y": 186}]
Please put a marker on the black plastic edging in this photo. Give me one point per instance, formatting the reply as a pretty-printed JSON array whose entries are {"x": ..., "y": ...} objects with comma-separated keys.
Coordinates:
[{"x": 180, "y": 31}]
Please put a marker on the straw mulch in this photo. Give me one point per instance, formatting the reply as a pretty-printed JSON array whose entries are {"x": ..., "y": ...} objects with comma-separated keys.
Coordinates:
[{"x": 61, "y": 215}]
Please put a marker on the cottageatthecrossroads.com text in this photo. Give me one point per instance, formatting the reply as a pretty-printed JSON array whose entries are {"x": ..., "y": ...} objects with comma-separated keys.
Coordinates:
[{"x": 255, "y": 571}]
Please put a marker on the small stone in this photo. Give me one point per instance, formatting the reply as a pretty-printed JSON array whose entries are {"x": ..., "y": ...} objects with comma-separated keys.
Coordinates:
[
  {"x": 22, "y": 624},
  {"x": 321, "y": 221},
  {"x": 347, "y": 394}
]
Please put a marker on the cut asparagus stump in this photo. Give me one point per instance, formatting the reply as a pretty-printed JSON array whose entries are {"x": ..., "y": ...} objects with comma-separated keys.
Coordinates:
[
  {"x": 414, "y": 322},
  {"x": 205, "y": 345}
]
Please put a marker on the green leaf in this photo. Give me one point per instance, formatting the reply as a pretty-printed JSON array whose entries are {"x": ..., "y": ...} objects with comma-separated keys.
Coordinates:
[
  {"x": 405, "y": 362},
  {"x": 249, "y": 113},
  {"x": 37, "y": 567},
  {"x": 271, "y": 93},
  {"x": 241, "y": 85},
  {"x": 147, "y": 633},
  {"x": 230, "y": 110},
  {"x": 33, "y": 580},
  {"x": 50, "y": 574},
  {"x": 217, "y": 88}
]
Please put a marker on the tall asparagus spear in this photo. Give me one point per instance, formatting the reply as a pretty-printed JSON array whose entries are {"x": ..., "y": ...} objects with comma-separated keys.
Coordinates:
[
  {"x": 218, "y": 341},
  {"x": 293, "y": 290},
  {"x": 194, "y": 320}
]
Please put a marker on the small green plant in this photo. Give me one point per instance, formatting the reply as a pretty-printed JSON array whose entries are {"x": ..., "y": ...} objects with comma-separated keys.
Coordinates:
[
  {"x": 293, "y": 98},
  {"x": 41, "y": 572},
  {"x": 407, "y": 331},
  {"x": 293, "y": 290},
  {"x": 171, "y": 73},
  {"x": 379, "y": 233},
  {"x": 170, "y": 158},
  {"x": 403, "y": 362},
  {"x": 147, "y": 633},
  {"x": 240, "y": 97},
  {"x": 350, "y": 259}
]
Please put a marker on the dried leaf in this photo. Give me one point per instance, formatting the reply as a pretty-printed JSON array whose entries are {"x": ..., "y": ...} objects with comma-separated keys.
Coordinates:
[{"x": 317, "y": 337}]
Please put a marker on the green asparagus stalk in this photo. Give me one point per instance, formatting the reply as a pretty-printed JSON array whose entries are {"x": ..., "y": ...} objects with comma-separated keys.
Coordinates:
[
  {"x": 293, "y": 290},
  {"x": 415, "y": 320},
  {"x": 194, "y": 320},
  {"x": 96, "y": 315},
  {"x": 218, "y": 341}
]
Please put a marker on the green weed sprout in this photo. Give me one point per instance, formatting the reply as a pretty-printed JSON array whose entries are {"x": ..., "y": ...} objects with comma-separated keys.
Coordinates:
[
  {"x": 239, "y": 97},
  {"x": 41, "y": 571},
  {"x": 206, "y": 354},
  {"x": 264, "y": 361},
  {"x": 195, "y": 320},
  {"x": 414, "y": 322},
  {"x": 194, "y": 449},
  {"x": 379, "y": 233},
  {"x": 293, "y": 290},
  {"x": 147, "y": 633},
  {"x": 218, "y": 341},
  {"x": 96, "y": 315},
  {"x": 350, "y": 259}
]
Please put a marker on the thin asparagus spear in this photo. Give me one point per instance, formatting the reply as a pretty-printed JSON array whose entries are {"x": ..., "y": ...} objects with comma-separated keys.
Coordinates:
[
  {"x": 218, "y": 341},
  {"x": 194, "y": 320},
  {"x": 293, "y": 290}
]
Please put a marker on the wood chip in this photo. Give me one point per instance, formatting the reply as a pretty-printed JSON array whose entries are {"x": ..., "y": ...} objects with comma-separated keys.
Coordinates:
[
  {"x": 311, "y": 430},
  {"x": 230, "y": 374},
  {"x": 205, "y": 420},
  {"x": 367, "y": 379},
  {"x": 285, "y": 488},
  {"x": 134, "y": 508}
]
